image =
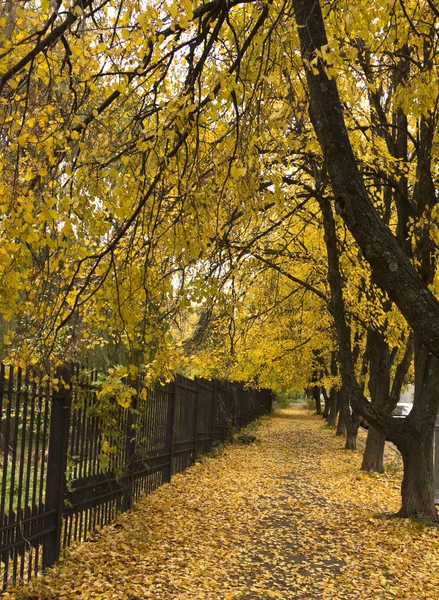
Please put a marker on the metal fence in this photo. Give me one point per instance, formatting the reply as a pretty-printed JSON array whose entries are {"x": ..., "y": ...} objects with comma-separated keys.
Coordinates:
[{"x": 55, "y": 488}]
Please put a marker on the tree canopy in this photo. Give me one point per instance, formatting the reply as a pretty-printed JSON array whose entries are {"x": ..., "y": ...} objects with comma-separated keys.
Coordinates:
[{"x": 169, "y": 174}]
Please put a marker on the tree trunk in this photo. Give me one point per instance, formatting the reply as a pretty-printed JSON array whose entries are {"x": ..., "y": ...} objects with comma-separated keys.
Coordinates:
[
  {"x": 417, "y": 489},
  {"x": 351, "y": 420},
  {"x": 316, "y": 396},
  {"x": 374, "y": 451},
  {"x": 325, "y": 413},
  {"x": 416, "y": 448},
  {"x": 333, "y": 409},
  {"x": 341, "y": 424},
  {"x": 351, "y": 439},
  {"x": 379, "y": 388},
  {"x": 352, "y": 425}
]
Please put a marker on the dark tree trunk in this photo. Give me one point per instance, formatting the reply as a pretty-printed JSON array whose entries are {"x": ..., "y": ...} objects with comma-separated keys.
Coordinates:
[
  {"x": 417, "y": 445},
  {"x": 351, "y": 439},
  {"x": 341, "y": 424},
  {"x": 417, "y": 489},
  {"x": 374, "y": 452},
  {"x": 379, "y": 388},
  {"x": 316, "y": 396},
  {"x": 351, "y": 420},
  {"x": 325, "y": 413},
  {"x": 333, "y": 409},
  {"x": 352, "y": 425},
  {"x": 333, "y": 393}
]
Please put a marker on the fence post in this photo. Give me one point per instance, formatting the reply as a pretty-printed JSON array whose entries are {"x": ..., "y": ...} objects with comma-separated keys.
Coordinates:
[
  {"x": 436, "y": 460},
  {"x": 130, "y": 449},
  {"x": 214, "y": 404},
  {"x": 270, "y": 401},
  {"x": 170, "y": 428},
  {"x": 56, "y": 464},
  {"x": 196, "y": 408},
  {"x": 236, "y": 407}
]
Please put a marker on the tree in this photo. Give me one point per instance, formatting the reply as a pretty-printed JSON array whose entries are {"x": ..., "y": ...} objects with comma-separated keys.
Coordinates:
[
  {"x": 390, "y": 265},
  {"x": 93, "y": 121}
]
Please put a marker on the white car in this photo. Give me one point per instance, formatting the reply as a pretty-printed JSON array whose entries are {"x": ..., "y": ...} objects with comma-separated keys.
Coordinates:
[{"x": 402, "y": 409}]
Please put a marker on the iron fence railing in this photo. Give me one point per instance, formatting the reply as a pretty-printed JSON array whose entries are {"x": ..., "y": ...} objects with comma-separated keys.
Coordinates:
[{"x": 55, "y": 488}]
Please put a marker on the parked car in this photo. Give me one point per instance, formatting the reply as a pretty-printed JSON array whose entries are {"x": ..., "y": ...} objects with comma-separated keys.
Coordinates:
[{"x": 401, "y": 410}]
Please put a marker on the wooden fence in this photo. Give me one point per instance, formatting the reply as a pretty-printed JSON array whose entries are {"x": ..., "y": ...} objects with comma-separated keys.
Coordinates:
[{"x": 54, "y": 488}]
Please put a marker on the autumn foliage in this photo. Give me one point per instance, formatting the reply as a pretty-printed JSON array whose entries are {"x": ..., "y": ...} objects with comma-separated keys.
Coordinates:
[
  {"x": 237, "y": 189},
  {"x": 288, "y": 515}
]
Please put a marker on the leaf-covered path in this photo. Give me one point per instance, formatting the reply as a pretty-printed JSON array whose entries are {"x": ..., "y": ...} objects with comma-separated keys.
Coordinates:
[{"x": 289, "y": 517}]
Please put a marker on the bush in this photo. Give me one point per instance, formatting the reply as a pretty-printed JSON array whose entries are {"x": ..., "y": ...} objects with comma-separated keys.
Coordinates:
[
  {"x": 282, "y": 401},
  {"x": 285, "y": 399}
]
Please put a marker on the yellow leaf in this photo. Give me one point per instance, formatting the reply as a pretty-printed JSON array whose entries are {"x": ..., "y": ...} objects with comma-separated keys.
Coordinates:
[
  {"x": 77, "y": 10},
  {"x": 237, "y": 172},
  {"x": 173, "y": 11}
]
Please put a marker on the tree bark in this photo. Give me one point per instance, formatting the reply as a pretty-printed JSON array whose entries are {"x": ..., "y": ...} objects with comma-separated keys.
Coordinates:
[
  {"x": 351, "y": 434},
  {"x": 333, "y": 409},
  {"x": 341, "y": 425},
  {"x": 417, "y": 447},
  {"x": 325, "y": 413},
  {"x": 379, "y": 388},
  {"x": 317, "y": 400},
  {"x": 333, "y": 393},
  {"x": 417, "y": 489},
  {"x": 373, "y": 457},
  {"x": 351, "y": 420}
]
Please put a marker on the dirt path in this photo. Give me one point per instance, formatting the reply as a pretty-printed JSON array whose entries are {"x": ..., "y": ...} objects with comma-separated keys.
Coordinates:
[{"x": 289, "y": 517}]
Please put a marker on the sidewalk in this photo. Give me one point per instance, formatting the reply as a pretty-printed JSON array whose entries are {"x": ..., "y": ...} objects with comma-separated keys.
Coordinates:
[{"x": 289, "y": 517}]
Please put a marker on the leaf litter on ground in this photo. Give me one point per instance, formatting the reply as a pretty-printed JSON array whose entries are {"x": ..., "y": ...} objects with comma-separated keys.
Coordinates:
[{"x": 290, "y": 517}]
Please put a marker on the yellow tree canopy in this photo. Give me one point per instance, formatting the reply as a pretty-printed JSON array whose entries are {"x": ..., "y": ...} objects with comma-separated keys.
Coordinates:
[{"x": 156, "y": 155}]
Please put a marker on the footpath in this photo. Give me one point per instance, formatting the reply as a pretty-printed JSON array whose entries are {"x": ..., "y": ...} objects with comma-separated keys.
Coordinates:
[{"x": 289, "y": 516}]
